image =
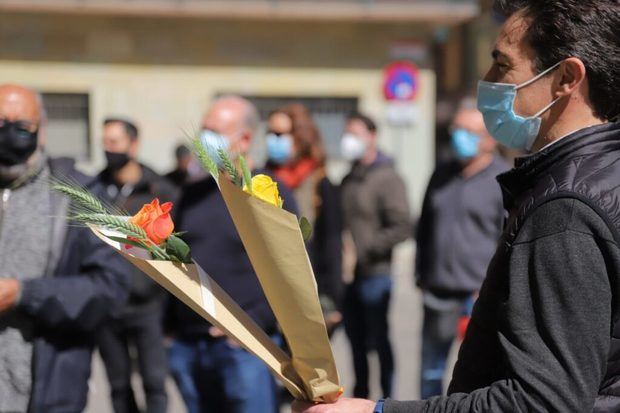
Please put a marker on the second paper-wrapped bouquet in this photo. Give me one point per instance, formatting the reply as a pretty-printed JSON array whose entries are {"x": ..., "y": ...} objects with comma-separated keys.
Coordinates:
[{"x": 274, "y": 241}]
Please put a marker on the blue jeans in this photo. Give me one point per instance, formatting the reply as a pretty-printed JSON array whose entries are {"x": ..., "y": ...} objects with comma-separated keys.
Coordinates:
[
  {"x": 366, "y": 305},
  {"x": 439, "y": 329},
  {"x": 215, "y": 376}
]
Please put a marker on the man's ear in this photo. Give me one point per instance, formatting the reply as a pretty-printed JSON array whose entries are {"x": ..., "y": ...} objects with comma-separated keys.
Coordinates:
[
  {"x": 134, "y": 148},
  {"x": 245, "y": 142},
  {"x": 487, "y": 143},
  {"x": 374, "y": 138},
  {"x": 572, "y": 75},
  {"x": 42, "y": 136}
]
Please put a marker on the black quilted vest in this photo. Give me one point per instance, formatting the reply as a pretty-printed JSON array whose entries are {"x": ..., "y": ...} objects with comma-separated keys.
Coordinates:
[{"x": 586, "y": 166}]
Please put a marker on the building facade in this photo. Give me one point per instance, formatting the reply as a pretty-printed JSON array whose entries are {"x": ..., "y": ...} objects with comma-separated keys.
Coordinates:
[{"x": 160, "y": 62}]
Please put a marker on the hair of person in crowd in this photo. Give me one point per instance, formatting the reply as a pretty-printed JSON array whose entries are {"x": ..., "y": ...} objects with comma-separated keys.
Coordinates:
[
  {"x": 306, "y": 135},
  {"x": 366, "y": 120},
  {"x": 555, "y": 34},
  {"x": 130, "y": 128},
  {"x": 182, "y": 151},
  {"x": 467, "y": 102}
]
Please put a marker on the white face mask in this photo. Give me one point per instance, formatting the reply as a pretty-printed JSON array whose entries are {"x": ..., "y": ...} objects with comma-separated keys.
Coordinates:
[{"x": 352, "y": 147}]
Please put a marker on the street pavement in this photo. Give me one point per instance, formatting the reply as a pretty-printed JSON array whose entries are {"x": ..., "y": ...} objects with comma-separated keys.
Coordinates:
[{"x": 406, "y": 322}]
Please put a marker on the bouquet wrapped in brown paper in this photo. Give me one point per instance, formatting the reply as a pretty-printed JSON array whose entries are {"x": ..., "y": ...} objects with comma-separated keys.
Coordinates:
[{"x": 274, "y": 241}]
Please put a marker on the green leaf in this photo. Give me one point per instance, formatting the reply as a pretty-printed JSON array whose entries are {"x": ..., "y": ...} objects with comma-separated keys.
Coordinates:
[
  {"x": 247, "y": 176},
  {"x": 306, "y": 228},
  {"x": 177, "y": 248}
]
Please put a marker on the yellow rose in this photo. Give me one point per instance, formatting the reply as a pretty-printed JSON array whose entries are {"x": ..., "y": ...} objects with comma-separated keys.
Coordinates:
[{"x": 263, "y": 187}]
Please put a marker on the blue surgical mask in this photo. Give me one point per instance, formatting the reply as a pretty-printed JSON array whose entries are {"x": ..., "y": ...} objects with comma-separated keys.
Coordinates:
[
  {"x": 213, "y": 142},
  {"x": 496, "y": 102},
  {"x": 465, "y": 143},
  {"x": 279, "y": 148}
]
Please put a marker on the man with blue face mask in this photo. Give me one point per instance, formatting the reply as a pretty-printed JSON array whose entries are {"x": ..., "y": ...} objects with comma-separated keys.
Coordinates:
[
  {"x": 458, "y": 230},
  {"x": 212, "y": 372},
  {"x": 544, "y": 332}
]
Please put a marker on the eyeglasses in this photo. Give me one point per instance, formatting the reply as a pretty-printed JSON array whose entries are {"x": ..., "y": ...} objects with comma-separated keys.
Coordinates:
[
  {"x": 23, "y": 128},
  {"x": 278, "y": 134}
]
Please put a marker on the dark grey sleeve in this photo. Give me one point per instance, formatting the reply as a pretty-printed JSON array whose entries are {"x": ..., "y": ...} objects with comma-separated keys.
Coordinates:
[
  {"x": 555, "y": 325},
  {"x": 423, "y": 235}
]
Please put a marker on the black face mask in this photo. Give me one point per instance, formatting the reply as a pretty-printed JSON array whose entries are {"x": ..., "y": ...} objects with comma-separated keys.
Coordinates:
[
  {"x": 116, "y": 161},
  {"x": 17, "y": 143}
]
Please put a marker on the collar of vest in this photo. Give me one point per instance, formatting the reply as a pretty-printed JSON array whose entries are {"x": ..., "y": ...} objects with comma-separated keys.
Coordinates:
[{"x": 594, "y": 140}]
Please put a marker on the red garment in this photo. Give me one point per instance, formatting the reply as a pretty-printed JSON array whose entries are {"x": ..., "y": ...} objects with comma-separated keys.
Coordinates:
[
  {"x": 462, "y": 326},
  {"x": 294, "y": 175}
]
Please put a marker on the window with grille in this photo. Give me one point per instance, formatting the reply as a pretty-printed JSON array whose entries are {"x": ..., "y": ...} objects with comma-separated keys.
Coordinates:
[{"x": 68, "y": 125}]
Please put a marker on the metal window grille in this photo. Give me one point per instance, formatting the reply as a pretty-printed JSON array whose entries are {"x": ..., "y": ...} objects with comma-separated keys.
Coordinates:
[{"x": 68, "y": 125}]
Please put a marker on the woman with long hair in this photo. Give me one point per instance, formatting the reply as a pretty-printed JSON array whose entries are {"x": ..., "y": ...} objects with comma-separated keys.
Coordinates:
[{"x": 297, "y": 158}]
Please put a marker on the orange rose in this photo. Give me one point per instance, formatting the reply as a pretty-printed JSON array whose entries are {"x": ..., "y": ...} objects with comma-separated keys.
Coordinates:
[{"x": 155, "y": 220}]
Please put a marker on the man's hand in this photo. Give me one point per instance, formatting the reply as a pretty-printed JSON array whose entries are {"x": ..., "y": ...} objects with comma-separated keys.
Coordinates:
[
  {"x": 9, "y": 291},
  {"x": 217, "y": 333},
  {"x": 343, "y": 405}
]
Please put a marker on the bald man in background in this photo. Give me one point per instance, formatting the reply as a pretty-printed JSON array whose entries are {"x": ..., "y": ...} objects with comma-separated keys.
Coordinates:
[
  {"x": 58, "y": 283},
  {"x": 212, "y": 372},
  {"x": 458, "y": 231}
]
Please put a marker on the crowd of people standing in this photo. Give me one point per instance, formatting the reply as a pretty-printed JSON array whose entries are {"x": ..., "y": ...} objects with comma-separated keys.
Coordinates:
[
  {"x": 159, "y": 334},
  {"x": 536, "y": 248}
]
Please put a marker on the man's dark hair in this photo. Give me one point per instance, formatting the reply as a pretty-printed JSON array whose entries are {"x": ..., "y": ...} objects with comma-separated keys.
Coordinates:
[
  {"x": 182, "y": 151},
  {"x": 130, "y": 128},
  {"x": 369, "y": 123},
  {"x": 586, "y": 29}
]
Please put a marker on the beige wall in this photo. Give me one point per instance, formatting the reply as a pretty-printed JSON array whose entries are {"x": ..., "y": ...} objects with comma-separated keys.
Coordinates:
[
  {"x": 201, "y": 42},
  {"x": 166, "y": 100}
]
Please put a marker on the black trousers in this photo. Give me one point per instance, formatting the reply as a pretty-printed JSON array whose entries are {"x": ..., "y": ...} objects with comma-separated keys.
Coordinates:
[
  {"x": 366, "y": 306},
  {"x": 144, "y": 333}
]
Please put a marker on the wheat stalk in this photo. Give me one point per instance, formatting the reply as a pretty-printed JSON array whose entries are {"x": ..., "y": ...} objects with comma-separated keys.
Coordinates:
[
  {"x": 229, "y": 167},
  {"x": 80, "y": 197},
  {"x": 204, "y": 158},
  {"x": 112, "y": 223},
  {"x": 126, "y": 228}
]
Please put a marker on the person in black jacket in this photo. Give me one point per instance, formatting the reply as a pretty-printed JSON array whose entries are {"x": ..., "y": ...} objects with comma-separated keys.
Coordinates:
[
  {"x": 58, "y": 282},
  {"x": 130, "y": 185},
  {"x": 544, "y": 332},
  {"x": 212, "y": 372},
  {"x": 297, "y": 158}
]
